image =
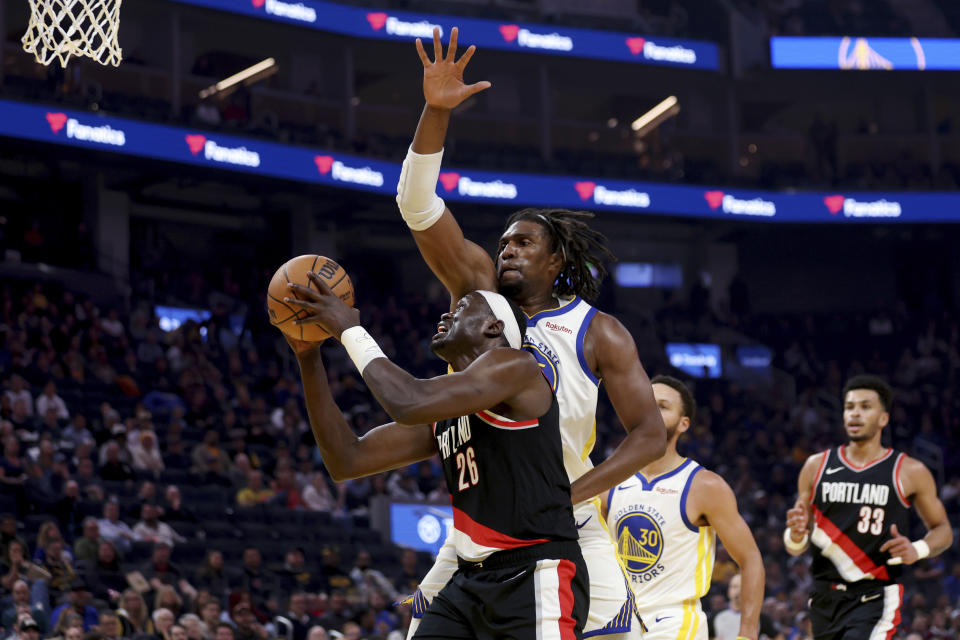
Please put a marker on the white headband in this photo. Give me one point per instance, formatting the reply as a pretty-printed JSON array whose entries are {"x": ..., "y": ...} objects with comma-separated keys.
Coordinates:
[{"x": 502, "y": 311}]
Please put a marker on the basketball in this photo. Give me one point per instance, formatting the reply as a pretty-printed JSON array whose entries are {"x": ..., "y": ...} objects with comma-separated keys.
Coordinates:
[{"x": 295, "y": 270}]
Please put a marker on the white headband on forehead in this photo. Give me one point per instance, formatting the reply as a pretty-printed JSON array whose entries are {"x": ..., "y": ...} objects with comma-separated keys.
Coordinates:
[{"x": 502, "y": 311}]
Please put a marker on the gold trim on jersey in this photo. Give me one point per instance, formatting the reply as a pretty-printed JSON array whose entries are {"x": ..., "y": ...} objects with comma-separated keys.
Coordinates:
[
  {"x": 592, "y": 440},
  {"x": 660, "y": 475},
  {"x": 558, "y": 307}
]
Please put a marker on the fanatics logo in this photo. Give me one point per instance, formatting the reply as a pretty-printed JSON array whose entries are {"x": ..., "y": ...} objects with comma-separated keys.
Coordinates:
[
  {"x": 56, "y": 121},
  {"x": 342, "y": 173},
  {"x": 735, "y": 206},
  {"x": 240, "y": 156},
  {"x": 196, "y": 142},
  {"x": 509, "y": 32},
  {"x": 856, "y": 209},
  {"x": 323, "y": 163},
  {"x": 635, "y": 45},
  {"x": 531, "y": 40},
  {"x": 449, "y": 180},
  {"x": 653, "y": 51},
  {"x": 377, "y": 19},
  {"x": 585, "y": 189},
  {"x": 834, "y": 204},
  {"x": 281, "y": 9},
  {"x": 610, "y": 197}
]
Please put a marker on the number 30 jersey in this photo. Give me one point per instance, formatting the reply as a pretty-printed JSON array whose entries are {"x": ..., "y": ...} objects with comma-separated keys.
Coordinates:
[
  {"x": 853, "y": 508},
  {"x": 506, "y": 481}
]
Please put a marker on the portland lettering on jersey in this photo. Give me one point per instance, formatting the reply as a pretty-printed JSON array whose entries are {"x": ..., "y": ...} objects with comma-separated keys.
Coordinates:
[
  {"x": 450, "y": 440},
  {"x": 855, "y": 493}
]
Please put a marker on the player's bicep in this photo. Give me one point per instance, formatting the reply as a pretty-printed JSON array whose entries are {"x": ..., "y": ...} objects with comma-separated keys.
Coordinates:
[
  {"x": 806, "y": 479},
  {"x": 719, "y": 506},
  {"x": 624, "y": 377},
  {"x": 461, "y": 265},
  {"x": 922, "y": 489}
]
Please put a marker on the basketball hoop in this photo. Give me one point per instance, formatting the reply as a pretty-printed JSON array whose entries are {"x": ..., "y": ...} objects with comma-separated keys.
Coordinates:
[{"x": 63, "y": 28}]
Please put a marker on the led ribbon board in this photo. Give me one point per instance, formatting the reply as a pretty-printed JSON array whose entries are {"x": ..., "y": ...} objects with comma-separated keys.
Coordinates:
[{"x": 334, "y": 169}]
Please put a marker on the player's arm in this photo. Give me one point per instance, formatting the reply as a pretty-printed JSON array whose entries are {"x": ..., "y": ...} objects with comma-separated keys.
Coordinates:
[
  {"x": 712, "y": 500},
  {"x": 460, "y": 265},
  {"x": 612, "y": 355},
  {"x": 796, "y": 537},
  {"x": 920, "y": 487},
  {"x": 346, "y": 456},
  {"x": 498, "y": 376}
]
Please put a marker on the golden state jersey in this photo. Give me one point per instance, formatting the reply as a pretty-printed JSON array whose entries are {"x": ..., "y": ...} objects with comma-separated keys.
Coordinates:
[
  {"x": 555, "y": 338},
  {"x": 669, "y": 560}
]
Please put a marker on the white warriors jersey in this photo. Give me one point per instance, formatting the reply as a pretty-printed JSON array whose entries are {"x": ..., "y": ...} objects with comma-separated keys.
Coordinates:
[
  {"x": 669, "y": 559},
  {"x": 555, "y": 338}
]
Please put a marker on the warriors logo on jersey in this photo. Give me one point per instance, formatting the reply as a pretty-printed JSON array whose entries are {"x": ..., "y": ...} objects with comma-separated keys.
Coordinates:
[
  {"x": 640, "y": 542},
  {"x": 548, "y": 361}
]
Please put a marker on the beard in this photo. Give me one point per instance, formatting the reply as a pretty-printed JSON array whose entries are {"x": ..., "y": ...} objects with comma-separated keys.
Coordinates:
[{"x": 672, "y": 430}]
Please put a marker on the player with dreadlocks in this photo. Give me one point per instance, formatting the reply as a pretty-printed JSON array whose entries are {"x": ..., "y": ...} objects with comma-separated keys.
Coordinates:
[{"x": 549, "y": 262}]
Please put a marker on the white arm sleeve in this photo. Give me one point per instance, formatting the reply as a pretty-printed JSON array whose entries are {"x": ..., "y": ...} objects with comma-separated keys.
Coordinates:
[{"x": 417, "y": 196}]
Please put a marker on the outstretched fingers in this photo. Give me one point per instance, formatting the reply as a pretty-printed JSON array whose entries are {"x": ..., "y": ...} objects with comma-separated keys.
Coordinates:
[
  {"x": 477, "y": 87},
  {"x": 452, "y": 47},
  {"x": 424, "y": 58},
  {"x": 437, "y": 47},
  {"x": 465, "y": 58}
]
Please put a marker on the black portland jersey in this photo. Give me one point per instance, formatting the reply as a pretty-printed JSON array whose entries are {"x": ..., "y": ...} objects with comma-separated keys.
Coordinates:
[
  {"x": 853, "y": 508},
  {"x": 507, "y": 482}
]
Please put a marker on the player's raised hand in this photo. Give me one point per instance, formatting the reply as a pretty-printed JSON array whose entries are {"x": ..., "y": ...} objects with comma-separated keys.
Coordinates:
[
  {"x": 300, "y": 346},
  {"x": 443, "y": 86},
  {"x": 323, "y": 306},
  {"x": 900, "y": 548},
  {"x": 797, "y": 520}
]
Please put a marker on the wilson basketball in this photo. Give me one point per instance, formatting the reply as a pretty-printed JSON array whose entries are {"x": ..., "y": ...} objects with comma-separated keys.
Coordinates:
[{"x": 283, "y": 315}]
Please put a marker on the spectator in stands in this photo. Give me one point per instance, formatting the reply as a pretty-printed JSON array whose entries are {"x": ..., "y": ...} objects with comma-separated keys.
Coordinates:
[
  {"x": 163, "y": 619},
  {"x": 16, "y": 566},
  {"x": 8, "y": 533},
  {"x": 18, "y": 391},
  {"x": 114, "y": 469},
  {"x": 368, "y": 579},
  {"x": 105, "y": 576},
  {"x": 13, "y": 474},
  {"x": 22, "y": 606},
  {"x": 175, "y": 456},
  {"x": 202, "y": 453},
  {"x": 224, "y": 631},
  {"x": 408, "y": 579},
  {"x": 115, "y": 530},
  {"x": 254, "y": 493},
  {"x": 134, "y": 615},
  {"x": 247, "y": 626},
  {"x": 317, "y": 633},
  {"x": 173, "y": 508},
  {"x": 240, "y": 472},
  {"x": 87, "y": 480},
  {"x": 295, "y": 575},
  {"x": 177, "y": 632},
  {"x": 287, "y": 492},
  {"x": 254, "y": 579},
  {"x": 150, "y": 350},
  {"x": 210, "y": 614},
  {"x": 145, "y": 455},
  {"x": 78, "y": 603},
  {"x": 194, "y": 626},
  {"x": 332, "y": 574},
  {"x": 338, "y": 611},
  {"x": 48, "y": 535},
  {"x": 168, "y": 598},
  {"x": 152, "y": 529},
  {"x": 87, "y": 547},
  {"x": 50, "y": 400},
  {"x": 76, "y": 431},
  {"x": 317, "y": 495},
  {"x": 159, "y": 570},
  {"x": 28, "y": 629},
  {"x": 297, "y": 613},
  {"x": 110, "y": 627},
  {"x": 212, "y": 576}
]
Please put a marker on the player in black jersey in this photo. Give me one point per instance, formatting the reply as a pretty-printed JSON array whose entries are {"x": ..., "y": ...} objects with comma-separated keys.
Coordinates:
[
  {"x": 853, "y": 507},
  {"x": 495, "y": 422}
]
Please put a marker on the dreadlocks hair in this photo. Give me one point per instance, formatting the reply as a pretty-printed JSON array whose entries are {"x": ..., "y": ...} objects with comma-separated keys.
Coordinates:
[{"x": 580, "y": 246}]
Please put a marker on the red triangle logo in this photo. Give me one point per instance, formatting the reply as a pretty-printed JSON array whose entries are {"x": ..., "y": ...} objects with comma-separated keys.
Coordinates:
[
  {"x": 636, "y": 45},
  {"x": 449, "y": 180},
  {"x": 509, "y": 32},
  {"x": 834, "y": 204},
  {"x": 377, "y": 20},
  {"x": 714, "y": 198},
  {"x": 323, "y": 163},
  {"x": 258, "y": 3},
  {"x": 196, "y": 142},
  {"x": 56, "y": 121},
  {"x": 585, "y": 189}
]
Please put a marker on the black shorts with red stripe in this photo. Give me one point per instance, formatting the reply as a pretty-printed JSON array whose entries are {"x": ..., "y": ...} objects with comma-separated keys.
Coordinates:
[
  {"x": 540, "y": 592},
  {"x": 854, "y": 611}
]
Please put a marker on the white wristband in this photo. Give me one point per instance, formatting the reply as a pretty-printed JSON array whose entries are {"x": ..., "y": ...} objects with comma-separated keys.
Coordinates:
[
  {"x": 417, "y": 196},
  {"x": 795, "y": 546},
  {"x": 361, "y": 348},
  {"x": 921, "y": 547}
]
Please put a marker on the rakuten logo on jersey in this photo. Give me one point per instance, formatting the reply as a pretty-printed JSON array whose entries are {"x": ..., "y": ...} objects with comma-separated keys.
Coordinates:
[
  {"x": 653, "y": 51},
  {"x": 558, "y": 327},
  {"x": 735, "y": 206},
  {"x": 602, "y": 195},
  {"x": 289, "y": 10},
  {"x": 240, "y": 156},
  {"x": 530, "y": 40},
  {"x": 103, "y": 134},
  {"x": 397, "y": 27},
  {"x": 474, "y": 188},
  {"x": 342, "y": 173},
  {"x": 856, "y": 209}
]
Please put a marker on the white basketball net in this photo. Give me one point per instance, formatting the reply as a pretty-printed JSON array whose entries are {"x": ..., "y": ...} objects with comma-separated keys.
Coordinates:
[{"x": 63, "y": 28}]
